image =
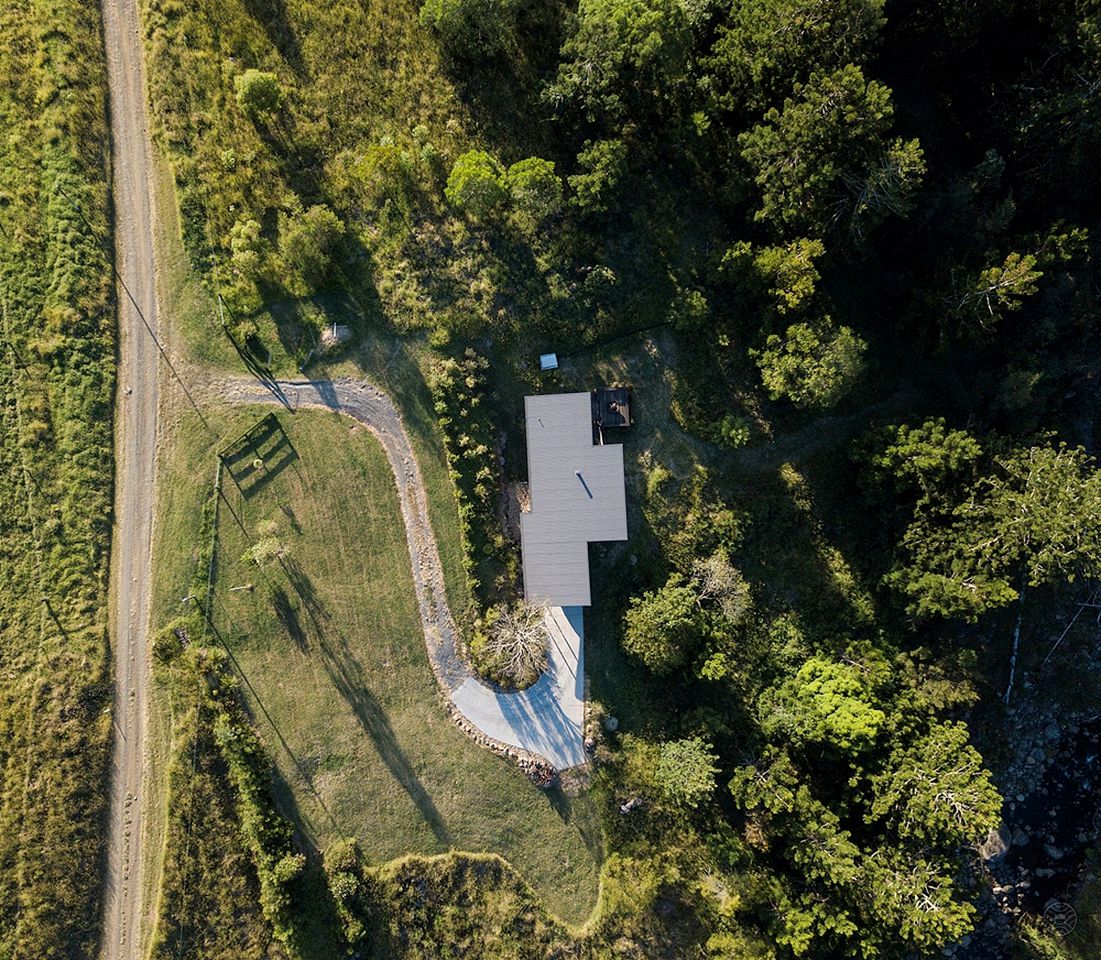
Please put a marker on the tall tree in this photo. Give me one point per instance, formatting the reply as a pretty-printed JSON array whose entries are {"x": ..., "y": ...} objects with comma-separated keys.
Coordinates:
[
  {"x": 936, "y": 790},
  {"x": 624, "y": 57},
  {"x": 924, "y": 457},
  {"x": 476, "y": 184},
  {"x": 471, "y": 29},
  {"x": 661, "y": 627},
  {"x": 981, "y": 300},
  {"x": 1034, "y": 520},
  {"x": 813, "y": 365},
  {"x": 827, "y": 703},
  {"x": 766, "y": 46},
  {"x": 805, "y": 157}
]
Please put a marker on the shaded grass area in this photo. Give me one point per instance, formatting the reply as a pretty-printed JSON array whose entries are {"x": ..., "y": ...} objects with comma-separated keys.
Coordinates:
[
  {"x": 57, "y": 344},
  {"x": 338, "y": 679}
]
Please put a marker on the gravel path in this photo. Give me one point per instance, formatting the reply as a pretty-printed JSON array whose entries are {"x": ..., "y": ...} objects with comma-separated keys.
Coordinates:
[
  {"x": 547, "y": 717},
  {"x": 135, "y": 458}
]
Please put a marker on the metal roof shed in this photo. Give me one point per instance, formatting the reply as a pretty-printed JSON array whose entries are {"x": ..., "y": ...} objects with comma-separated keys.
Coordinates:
[{"x": 577, "y": 497}]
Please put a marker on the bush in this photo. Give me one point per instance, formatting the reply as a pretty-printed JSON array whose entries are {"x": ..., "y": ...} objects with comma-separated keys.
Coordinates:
[
  {"x": 168, "y": 643},
  {"x": 259, "y": 94},
  {"x": 476, "y": 184},
  {"x": 350, "y": 887}
]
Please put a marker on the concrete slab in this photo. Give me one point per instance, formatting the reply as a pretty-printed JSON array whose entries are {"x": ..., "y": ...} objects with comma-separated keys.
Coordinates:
[{"x": 548, "y": 718}]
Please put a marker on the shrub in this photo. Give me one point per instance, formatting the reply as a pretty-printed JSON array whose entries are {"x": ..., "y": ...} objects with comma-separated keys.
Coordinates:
[
  {"x": 259, "y": 94},
  {"x": 513, "y": 647},
  {"x": 476, "y": 184},
  {"x": 686, "y": 771},
  {"x": 458, "y": 391}
]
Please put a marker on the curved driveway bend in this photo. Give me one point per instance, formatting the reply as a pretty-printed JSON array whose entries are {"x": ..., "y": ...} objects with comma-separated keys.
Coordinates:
[{"x": 548, "y": 717}]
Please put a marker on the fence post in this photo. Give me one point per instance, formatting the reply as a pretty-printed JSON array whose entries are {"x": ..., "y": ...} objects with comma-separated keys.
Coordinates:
[{"x": 208, "y": 599}]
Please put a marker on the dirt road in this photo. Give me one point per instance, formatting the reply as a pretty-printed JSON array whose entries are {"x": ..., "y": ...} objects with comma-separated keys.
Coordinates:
[{"x": 135, "y": 456}]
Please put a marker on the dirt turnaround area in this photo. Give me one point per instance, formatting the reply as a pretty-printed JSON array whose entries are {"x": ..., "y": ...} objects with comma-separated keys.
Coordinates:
[{"x": 135, "y": 458}]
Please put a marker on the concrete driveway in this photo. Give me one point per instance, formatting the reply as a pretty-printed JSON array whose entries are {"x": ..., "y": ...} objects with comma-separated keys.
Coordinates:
[{"x": 549, "y": 716}]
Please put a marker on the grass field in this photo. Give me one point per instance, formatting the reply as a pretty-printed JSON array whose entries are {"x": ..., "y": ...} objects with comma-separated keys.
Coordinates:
[
  {"x": 408, "y": 782},
  {"x": 340, "y": 686},
  {"x": 57, "y": 357}
]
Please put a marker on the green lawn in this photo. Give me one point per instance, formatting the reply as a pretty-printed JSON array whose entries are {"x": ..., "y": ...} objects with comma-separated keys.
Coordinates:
[{"x": 339, "y": 682}]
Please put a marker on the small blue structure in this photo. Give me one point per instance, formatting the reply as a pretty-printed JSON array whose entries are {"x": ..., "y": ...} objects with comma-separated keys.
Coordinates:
[{"x": 548, "y": 361}]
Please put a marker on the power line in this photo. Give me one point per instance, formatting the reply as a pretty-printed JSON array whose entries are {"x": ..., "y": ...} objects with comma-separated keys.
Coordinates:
[{"x": 137, "y": 309}]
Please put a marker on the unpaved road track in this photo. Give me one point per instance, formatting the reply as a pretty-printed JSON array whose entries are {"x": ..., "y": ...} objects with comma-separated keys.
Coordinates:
[{"x": 135, "y": 459}]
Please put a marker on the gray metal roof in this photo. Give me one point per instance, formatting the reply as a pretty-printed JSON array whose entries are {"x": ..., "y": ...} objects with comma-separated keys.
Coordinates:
[{"x": 577, "y": 496}]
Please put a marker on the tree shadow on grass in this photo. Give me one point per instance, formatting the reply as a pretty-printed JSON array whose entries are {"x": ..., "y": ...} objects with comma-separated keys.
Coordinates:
[
  {"x": 272, "y": 16},
  {"x": 287, "y": 616},
  {"x": 579, "y": 813},
  {"x": 350, "y": 680},
  {"x": 502, "y": 91}
]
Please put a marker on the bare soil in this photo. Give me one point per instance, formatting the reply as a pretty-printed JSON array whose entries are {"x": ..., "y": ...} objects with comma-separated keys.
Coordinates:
[{"x": 135, "y": 458}]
